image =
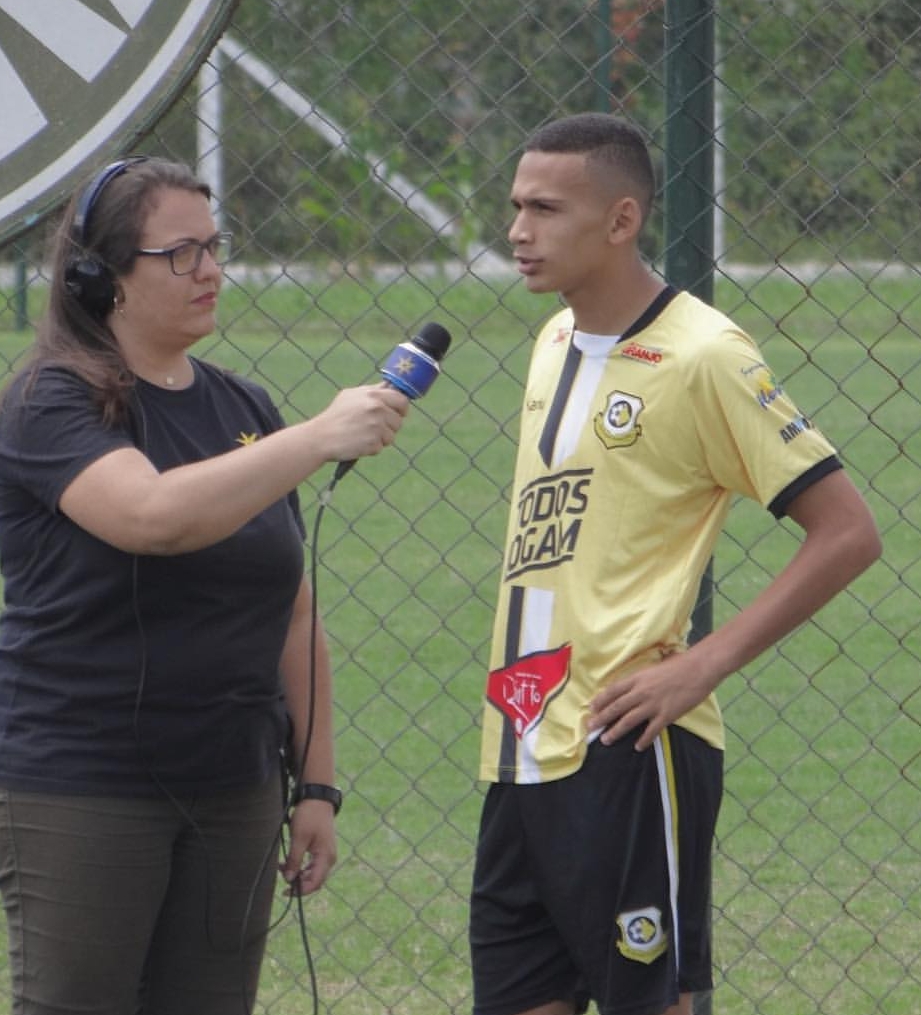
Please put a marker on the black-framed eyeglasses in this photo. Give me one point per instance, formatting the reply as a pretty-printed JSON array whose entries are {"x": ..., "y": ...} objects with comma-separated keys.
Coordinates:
[{"x": 185, "y": 257}]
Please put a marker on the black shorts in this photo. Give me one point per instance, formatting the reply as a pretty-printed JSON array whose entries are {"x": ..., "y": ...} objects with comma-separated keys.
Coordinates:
[{"x": 597, "y": 886}]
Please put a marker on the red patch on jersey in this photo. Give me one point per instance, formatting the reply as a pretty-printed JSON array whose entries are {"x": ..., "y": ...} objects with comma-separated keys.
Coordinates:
[{"x": 523, "y": 690}]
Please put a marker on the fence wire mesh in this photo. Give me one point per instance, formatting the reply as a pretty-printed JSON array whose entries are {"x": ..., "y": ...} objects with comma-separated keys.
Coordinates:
[{"x": 362, "y": 155}]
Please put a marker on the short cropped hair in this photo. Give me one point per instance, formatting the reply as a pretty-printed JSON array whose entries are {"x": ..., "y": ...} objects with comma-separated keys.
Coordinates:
[{"x": 611, "y": 144}]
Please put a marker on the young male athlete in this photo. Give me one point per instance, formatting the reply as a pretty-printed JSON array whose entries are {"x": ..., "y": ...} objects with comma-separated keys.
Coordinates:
[{"x": 645, "y": 411}]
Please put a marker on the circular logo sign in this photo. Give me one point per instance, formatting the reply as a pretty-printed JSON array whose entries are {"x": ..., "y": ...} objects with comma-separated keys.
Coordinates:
[{"x": 82, "y": 81}]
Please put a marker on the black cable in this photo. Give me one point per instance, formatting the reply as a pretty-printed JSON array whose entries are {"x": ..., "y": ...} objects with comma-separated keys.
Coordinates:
[
  {"x": 186, "y": 816},
  {"x": 288, "y": 774},
  {"x": 279, "y": 839},
  {"x": 324, "y": 499},
  {"x": 135, "y": 724},
  {"x": 141, "y": 442}
]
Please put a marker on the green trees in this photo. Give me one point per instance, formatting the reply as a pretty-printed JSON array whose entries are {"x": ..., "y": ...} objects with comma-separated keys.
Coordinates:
[
  {"x": 822, "y": 129},
  {"x": 818, "y": 126}
]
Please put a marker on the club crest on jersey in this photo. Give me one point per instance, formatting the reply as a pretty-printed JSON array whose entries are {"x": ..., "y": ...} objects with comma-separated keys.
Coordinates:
[
  {"x": 523, "y": 690},
  {"x": 616, "y": 425},
  {"x": 641, "y": 935}
]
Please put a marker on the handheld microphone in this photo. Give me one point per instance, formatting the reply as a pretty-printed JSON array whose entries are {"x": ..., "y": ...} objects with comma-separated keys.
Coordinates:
[{"x": 412, "y": 368}]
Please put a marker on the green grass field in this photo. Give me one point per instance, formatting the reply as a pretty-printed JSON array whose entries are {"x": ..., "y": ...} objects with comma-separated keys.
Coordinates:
[{"x": 817, "y": 897}]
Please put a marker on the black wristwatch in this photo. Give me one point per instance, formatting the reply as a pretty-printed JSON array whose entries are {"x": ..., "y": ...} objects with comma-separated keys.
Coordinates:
[{"x": 317, "y": 791}]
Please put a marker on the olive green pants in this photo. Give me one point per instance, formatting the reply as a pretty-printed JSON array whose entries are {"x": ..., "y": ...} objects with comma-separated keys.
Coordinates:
[{"x": 136, "y": 906}]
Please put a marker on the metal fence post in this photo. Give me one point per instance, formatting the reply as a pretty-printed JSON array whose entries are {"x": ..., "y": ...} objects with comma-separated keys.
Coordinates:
[
  {"x": 689, "y": 41},
  {"x": 690, "y": 49}
]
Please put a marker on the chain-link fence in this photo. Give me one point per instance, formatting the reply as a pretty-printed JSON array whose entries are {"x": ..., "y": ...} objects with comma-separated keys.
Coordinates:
[{"x": 362, "y": 154}]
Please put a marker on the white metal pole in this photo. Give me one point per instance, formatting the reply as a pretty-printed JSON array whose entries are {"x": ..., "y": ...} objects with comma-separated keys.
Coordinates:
[{"x": 210, "y": 110}]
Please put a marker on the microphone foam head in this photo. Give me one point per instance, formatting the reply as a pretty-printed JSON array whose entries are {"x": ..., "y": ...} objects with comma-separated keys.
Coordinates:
[{"x": 433, "y": 340}]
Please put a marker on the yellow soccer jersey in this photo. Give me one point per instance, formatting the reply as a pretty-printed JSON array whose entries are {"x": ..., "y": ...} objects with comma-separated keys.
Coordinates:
[{"x": 630, "y": 451}]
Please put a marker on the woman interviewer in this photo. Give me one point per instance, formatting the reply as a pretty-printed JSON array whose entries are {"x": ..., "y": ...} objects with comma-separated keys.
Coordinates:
[{"x": 155, "y": 647}]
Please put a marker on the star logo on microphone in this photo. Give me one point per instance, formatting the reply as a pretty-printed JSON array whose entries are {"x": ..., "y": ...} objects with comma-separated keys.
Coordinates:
[{"x": 404, "y": 365}]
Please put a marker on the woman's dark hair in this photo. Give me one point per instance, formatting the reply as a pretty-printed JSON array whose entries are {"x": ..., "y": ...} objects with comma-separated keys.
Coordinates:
[
  {"x": 70, "y": 336},
  {"x": 610, "y": 143}
]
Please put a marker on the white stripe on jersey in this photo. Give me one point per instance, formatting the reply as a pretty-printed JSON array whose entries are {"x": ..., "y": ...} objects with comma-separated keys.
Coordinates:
[
  {"x": 537, "y": 609},
  {"x": 595, "y": 350},
  {"x": 536, "y": 617}
]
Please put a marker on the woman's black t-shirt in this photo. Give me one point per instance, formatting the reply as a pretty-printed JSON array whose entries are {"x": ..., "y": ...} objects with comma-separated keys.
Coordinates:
[{"x": 123, "y": 674}]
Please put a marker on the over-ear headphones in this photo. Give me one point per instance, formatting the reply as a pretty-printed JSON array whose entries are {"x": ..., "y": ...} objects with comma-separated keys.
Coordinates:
[{"x": 87, "y": 278}]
